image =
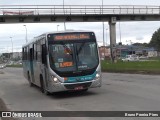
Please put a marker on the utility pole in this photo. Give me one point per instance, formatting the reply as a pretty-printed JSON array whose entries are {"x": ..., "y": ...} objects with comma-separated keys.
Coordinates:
[
  {"x": 26, "y": 32},
  {"x": 103, "y": 33},
  {"x": 120, "y": 37},
  {"x": 12, "y": 46},
  {"x": 64, "y": 13},
  {"x": 57, "y": 27}
]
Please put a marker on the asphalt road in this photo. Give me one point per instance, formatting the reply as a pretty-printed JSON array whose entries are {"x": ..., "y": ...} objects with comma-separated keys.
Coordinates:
[{"x": 119, "y": 92}]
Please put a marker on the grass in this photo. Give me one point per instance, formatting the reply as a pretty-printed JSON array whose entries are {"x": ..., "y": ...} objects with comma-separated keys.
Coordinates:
[
  {"x": 145, "y": 67},
  {"x": 17, "y": 66},
  {"x": 139, "y": 67}
]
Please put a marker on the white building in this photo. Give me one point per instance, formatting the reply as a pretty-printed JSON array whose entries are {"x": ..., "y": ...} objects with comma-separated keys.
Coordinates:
[
  {"x": 17, "y": 55},
  {"x": 152, "y": 53}
]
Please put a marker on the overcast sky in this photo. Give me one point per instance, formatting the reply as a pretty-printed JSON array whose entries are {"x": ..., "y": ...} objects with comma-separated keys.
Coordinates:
[{"x": 134, "y": 31}]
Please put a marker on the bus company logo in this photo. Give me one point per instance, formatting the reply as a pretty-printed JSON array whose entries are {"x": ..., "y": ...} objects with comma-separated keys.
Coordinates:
[
  {"x": 6, "y": 114},
  {"x": 20, "y": 114}
]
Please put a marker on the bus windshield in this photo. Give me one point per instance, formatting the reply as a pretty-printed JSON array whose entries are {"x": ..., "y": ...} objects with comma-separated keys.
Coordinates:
[{"x": 73, "y": 57}]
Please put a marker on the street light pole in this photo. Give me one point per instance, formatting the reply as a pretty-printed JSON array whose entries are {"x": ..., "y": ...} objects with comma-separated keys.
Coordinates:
[
  {"x": 103, "y": 33},
  {"x": 12, "y": 46},
  {"x": 103, "y": 41},
  {"x": 64, "y": 13},
  {"x": 120, "y": 31},
  {"x": 120, "y": 38},
  {"x": 26, "y": 33},
  {"x": 57, "y": 27},
  {"x": 106, "y": 35}
]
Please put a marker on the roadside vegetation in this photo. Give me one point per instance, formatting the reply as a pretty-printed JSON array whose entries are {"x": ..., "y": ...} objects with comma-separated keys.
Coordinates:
[
  {"x": 150, "y": 66},
  {"x": 15, "y": 65},
  {"x": 139, "y": 67}
]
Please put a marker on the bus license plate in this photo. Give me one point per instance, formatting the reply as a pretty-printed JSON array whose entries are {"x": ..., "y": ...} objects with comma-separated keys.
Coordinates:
[{"x": 78, "y": 88}]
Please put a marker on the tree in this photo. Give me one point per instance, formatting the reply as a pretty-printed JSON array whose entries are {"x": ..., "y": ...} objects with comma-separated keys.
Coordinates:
[
  {"x": 155, "y": 40},
  {"x": 140, "y": 44}
]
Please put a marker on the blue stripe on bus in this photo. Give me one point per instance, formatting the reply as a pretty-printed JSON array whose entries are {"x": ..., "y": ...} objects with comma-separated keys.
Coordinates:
[{"x": 81, "y": 78}]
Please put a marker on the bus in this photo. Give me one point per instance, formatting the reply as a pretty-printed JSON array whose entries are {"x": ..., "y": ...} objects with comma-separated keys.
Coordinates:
[{"x": 62, "y": 61}]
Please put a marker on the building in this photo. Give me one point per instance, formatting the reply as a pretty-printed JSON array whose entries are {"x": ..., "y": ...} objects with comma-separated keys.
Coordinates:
[
  {"x": 123, "y": 50},
  {"x": 104, "y": 52},
  {"x": 17, "y": 55},
  {"x": 14, "y": 56}
]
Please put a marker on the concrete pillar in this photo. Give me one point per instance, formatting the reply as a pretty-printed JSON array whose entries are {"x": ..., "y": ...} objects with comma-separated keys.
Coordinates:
[{"x": 112, "y": 27}]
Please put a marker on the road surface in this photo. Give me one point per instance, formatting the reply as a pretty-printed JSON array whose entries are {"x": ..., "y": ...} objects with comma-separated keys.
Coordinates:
[{"x": 119, "y": 92}]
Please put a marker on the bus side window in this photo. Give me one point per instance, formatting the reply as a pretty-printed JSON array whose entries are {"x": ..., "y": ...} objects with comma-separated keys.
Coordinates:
[
  {"x": 35, "y": 53},
  {"x": 38, "y": 51},
  {"x": 23, "y": 54},
  {"x": 43, "y": 55},
  {"x": 27, "y": 53},
  {"x": 31, "y": 54}
]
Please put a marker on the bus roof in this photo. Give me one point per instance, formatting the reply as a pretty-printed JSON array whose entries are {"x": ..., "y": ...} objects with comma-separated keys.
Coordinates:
[{"x": 45, "y": 34}]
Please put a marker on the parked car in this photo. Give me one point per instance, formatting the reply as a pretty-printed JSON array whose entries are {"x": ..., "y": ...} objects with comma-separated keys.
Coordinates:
[
  {"x": 143, "y": 57},
  {"x": 2, "y": 66},
  {"x": 132, "y": 57}
]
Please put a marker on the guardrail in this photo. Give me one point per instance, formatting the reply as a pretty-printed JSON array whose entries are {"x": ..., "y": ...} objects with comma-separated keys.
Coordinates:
[{"x": 77, "y": 9}]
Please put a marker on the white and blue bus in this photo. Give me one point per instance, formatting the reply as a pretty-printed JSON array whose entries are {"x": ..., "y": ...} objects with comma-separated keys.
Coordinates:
[{"x": 62, "y": 61}]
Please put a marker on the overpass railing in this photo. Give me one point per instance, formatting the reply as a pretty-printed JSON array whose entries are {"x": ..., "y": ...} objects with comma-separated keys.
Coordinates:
[{"x": 76, "y": 9}]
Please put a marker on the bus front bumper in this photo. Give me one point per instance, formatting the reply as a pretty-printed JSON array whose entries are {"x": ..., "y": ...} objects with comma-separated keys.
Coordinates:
[{"x": 58, "y": 87}]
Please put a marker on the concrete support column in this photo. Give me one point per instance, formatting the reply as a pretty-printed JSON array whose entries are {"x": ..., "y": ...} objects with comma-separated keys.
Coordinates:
[{"x": 112, "y": 27}]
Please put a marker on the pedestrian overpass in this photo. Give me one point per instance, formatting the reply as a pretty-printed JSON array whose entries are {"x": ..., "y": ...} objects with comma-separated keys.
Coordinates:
[{"x": 79, "y": 13}]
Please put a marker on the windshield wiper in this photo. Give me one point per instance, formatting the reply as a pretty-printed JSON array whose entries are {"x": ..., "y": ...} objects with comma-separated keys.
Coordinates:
[{"x": 80, "y": 48}]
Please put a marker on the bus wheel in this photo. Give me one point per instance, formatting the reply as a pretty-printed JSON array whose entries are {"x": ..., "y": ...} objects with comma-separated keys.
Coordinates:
[
  {"x": 42, "y": 87},
  {"x": 29, "y": 80}
]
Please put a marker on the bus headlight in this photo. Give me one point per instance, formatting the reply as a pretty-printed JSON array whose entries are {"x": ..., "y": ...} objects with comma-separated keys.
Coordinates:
[
  {"x": 54, "y": 79},
  {"x": 97, "y": 76}
]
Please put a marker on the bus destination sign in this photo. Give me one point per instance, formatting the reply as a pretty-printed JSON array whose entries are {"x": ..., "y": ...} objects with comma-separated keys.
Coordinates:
[{"x": 72, "y": 36}]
